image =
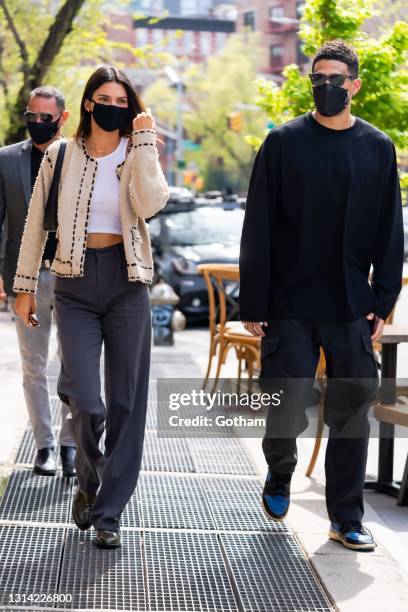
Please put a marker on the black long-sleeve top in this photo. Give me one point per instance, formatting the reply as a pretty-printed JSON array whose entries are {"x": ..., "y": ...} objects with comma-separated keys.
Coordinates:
[
  {"x": 323, "y": 206},
  {"x": 51, "y": 244}
]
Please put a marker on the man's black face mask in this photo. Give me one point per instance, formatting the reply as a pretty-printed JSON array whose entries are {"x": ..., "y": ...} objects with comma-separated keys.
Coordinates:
[
  {"x": 329, "y": 99},
  {"x": 43, "y": 132}
]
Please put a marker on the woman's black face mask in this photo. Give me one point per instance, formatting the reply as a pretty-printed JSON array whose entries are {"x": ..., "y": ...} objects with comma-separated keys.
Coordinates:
[{"x": 110, "y": 117}]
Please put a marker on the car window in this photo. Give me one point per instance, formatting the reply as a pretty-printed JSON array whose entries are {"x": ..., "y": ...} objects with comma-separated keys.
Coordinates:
[
  {"x": 204, "y": 226},
  {"x": 154, "y": 228}
]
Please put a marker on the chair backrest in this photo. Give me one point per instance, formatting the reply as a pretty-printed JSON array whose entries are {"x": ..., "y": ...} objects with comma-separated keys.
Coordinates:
[{"x": 216, "y": 278}]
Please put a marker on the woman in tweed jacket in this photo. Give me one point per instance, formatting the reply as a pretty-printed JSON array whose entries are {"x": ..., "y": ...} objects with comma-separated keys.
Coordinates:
[{"x": 111, "y": 181}]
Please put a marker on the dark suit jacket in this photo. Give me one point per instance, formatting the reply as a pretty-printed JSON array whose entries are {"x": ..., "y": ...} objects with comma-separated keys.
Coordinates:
[{"x": 15, "y": 195}]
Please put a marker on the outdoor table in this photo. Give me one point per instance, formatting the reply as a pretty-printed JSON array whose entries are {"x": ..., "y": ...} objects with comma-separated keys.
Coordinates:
[{"x": 392, "y": 336}]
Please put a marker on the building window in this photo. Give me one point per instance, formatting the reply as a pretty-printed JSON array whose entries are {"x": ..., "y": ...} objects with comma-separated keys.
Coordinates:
[
  {"x": 300, "y": 6},
  {"x": 276, "y": 13},
  {"x": 301, "y": 58},
  {"x": 275, "y": 56},
  {"x": 249, "y": 20}
]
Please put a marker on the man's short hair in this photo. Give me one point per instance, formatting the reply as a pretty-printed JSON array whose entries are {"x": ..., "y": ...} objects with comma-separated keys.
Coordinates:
[
  {"x": 47, "y": 91},
  {"x": 340, "y": 51}
]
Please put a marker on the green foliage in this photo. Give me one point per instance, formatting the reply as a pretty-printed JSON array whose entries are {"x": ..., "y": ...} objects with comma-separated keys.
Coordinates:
[
  {"x": 329, "y": 19},
  {"x": 383, "y": 98},
  {"x": 223, "y": 85},
  {"x": 85, "y": 44}
]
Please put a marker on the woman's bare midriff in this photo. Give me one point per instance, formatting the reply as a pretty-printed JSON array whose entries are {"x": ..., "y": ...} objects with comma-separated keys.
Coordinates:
[{"x": 99, "y": 241}]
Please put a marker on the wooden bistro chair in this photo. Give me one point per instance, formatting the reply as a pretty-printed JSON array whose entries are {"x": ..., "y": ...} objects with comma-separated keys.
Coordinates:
[
  {"x": 224, "y": 333},
  {"x": 321, "y": 369}
]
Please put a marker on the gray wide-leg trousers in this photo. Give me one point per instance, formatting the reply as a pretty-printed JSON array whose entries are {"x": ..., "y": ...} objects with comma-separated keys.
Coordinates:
[{"x": 104, "y": 308}]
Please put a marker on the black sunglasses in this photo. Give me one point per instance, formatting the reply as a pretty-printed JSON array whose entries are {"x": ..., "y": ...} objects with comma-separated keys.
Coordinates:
[
  {"x": 319, "y": 78},
  {"x": 31, "y": 117}
]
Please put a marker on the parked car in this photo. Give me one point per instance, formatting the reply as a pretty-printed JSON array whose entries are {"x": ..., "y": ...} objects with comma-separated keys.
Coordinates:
[
  {"x": 182, "y": 239},
  {"x": 180, "y": 194}
]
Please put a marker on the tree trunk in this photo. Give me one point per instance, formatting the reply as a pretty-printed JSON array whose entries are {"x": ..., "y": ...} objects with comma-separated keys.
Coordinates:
[{"x": 34, "y": 76}]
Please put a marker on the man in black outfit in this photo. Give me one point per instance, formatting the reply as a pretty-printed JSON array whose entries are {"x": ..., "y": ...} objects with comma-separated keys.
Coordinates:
[{"x": 323, "y": 206}]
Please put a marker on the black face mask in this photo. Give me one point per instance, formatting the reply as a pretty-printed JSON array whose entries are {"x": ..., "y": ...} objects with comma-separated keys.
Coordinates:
[
  {"x": 110, "y": 117},
  {"x": 43, "y": 132},
  {"x": 329, "y": 99}
]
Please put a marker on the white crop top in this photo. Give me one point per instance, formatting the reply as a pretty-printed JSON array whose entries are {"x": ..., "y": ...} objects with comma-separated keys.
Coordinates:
[{"x": 104, "y": 213}]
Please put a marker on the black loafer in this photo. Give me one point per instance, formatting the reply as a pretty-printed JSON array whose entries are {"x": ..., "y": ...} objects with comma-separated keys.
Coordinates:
[
  {"x": 81, "y": 508},
  {"x": 45, "y": 462},
  {"x": 108, "y": 539},
  {"x": 68, "y": 461}
]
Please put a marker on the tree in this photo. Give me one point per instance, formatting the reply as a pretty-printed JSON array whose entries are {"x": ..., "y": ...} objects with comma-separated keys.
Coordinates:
[
  {"x": 383, "y": 99},
  {"x": 223, "y": 85},
  {"x": 57, "y": 42},
  {"x": 34, "y": 64}
]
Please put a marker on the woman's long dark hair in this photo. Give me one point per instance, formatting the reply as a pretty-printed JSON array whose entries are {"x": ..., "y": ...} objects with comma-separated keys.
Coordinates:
[{"x": 105, "y": 74}]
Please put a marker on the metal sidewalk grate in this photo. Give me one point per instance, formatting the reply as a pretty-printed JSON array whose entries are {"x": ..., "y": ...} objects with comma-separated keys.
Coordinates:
[
  {"x": 220, "y": 455},
  {"x": 151, "y": 414},
  {"x": 184, "y": 543},
  {"x": 103, "y": 579},
  {"x": 29, "y": 560},
  {"x": 157, "y": 415},
  {"x": 166, "y": 454},
  {"x": 173, "y": 501},
  {"x": 236, "y": 504},
  {"x": 131, "y": 516},
  {"x": 29, "y": 497},
  {"x": 272, "y": 574},
  {"x": 186, "y": 573}
]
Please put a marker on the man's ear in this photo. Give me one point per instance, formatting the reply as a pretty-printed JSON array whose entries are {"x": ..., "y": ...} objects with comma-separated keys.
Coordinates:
[
  {"x": 64, "y": 117},
  {"x": 356, "y": 87}
]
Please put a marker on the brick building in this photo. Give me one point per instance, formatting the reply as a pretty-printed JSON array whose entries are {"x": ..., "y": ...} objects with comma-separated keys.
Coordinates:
[{"x": 277, "y": 23}]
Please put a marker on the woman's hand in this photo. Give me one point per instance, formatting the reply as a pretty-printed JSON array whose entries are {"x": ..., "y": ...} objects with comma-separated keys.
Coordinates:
[
  {"x": 144, "y": 121},
  {"x": 25, "y": 305}
]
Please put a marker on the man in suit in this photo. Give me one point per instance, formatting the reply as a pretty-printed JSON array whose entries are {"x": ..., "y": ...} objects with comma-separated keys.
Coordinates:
[{"x": 19, "y": 166}]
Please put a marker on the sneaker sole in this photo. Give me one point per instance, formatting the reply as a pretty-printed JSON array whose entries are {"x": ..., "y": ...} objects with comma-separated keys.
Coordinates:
[
  {"x": 270, "y": 516},
  {"x": 337, "y": 538}
]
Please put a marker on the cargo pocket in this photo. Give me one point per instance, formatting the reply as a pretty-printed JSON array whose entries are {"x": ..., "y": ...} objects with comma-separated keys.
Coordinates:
[{"x": 269, "y": 345}]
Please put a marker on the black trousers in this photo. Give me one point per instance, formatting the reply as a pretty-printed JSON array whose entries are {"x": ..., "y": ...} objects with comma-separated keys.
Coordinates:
[
  {"x": 290, "y": 353},
  {"x": 104, "y": 309}
]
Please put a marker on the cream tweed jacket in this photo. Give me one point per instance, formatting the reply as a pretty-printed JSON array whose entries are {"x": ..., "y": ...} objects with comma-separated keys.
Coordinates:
[{"x": 143, "y": 191}]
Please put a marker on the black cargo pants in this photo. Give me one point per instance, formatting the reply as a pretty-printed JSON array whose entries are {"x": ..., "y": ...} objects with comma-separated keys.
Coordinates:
[{"x": 290, "y": 353}]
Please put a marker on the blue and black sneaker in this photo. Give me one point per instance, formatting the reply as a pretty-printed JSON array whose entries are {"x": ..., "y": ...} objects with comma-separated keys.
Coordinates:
[
  {"x": 352, "y": 535},
  {"x": 276, "y": 495}
]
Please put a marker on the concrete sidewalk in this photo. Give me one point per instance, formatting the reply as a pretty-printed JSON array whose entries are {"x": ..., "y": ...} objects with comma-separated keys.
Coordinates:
[{"x": 354, "y": 581}]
